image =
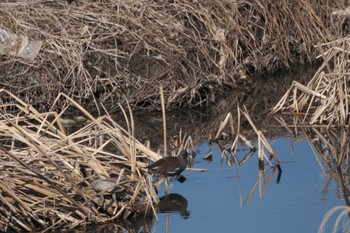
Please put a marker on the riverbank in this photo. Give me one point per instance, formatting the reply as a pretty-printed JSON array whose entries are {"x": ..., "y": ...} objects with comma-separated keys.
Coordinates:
[{"x": 104, "y": 52}]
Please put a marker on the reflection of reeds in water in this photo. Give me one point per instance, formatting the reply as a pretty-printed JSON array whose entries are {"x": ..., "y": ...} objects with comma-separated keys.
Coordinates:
[
  {"x": 229, "y": 153},
  {"x": 134, "y": 225},
  {"x": 342, "y": 222},
  {"x": 42, "y": 181},
  {"x": 331, "y": 145},
  {"x": 331, "y": 148},
  {"x": 263, "y": 181},
  {"x": 238, "y": 137}
]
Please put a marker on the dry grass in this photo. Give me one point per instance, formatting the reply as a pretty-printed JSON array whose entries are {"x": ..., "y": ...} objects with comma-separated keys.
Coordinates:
[
  {"x": 46, "y": 173},
  {"x": 326, "y": 98},
  {"x": 100, "y": 52}
]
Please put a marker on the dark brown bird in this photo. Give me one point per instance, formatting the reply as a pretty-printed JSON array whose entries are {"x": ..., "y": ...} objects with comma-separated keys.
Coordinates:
[{"x": 170, "y": 166}]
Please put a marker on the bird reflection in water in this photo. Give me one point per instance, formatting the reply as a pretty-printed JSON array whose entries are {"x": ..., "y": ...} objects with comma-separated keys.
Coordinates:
[{"x": 174, "y": 203}]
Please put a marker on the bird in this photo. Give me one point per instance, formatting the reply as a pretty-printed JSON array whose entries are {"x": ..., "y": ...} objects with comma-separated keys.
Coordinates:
[{"x": 170, "y": 166}]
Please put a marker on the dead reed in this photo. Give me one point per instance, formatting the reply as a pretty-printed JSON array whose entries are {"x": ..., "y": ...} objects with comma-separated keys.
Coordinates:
[
  {"x": 49, "y": 178},
  {"x": 238, "y": 138},
  {"x": 326, "y": 98},
  {"x": 102, "y": 51},
  {"x": 230, "y": 139}
]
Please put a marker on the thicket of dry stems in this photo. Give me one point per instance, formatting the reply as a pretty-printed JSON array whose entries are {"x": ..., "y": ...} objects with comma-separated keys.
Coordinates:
[
  {"x": 46, "y": 174},
  {"x": 100, "y": 51},
  {"x": 326, "y": 98}
]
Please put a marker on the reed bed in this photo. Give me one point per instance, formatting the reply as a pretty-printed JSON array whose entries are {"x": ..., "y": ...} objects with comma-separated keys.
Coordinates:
[
  {"x": 47, "y": 174},
  {"x": 102, "y": 51},
  {"x": 325, "y": 100}
]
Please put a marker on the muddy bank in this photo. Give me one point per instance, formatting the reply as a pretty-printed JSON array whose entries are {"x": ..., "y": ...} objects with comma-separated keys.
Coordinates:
[{"x": 103, "y": 53}]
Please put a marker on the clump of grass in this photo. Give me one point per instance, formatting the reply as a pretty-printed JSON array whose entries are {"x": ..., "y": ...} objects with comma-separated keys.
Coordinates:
[
  {"x": 46, "y": 174},
  {"x": 325, "y": 100}
]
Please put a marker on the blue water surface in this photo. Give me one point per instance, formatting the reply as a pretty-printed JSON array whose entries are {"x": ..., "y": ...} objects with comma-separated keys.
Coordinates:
[{"x": 217, "y": 199}]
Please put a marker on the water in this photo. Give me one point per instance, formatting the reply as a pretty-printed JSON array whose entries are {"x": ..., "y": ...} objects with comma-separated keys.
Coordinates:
[
  {"x": 228, "y": 198},
  {"x": 217, "y": 199}
]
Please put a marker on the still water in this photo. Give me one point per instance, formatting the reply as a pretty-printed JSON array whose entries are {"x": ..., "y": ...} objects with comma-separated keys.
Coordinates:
[{"x": 223, "y": 198}]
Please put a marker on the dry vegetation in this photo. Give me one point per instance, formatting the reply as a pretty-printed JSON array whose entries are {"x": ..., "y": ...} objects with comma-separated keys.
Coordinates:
[
  {"x": 323, "y": 103},
  {"x": 326, "y": 98},
  {"x": 101, "y": 51},
  {"x": 104, "y": 54},
  {"x": 239, "y": 137},
  {"x": 47, "y": 175}
]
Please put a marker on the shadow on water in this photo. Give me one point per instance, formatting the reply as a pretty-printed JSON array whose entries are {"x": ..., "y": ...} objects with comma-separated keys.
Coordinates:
[
  {"x": 229, "y": 190},
  {"x": 173, "y": 203},
  {"x": 169, "y": 204}
]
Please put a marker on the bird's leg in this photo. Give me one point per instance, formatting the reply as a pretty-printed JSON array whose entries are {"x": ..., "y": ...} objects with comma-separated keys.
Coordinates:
[
  {"x": 166, "y": 185},
  {"x": 158, "y": 182}
]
